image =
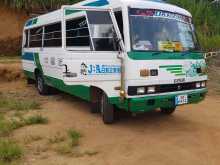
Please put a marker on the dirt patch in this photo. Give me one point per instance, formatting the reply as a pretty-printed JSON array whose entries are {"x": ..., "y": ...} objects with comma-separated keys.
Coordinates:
[
  {"x": 11, "y": 27},
  {"x": 214, "y": 75},
  {"x": 11, "y": 72},
  {"x": 11, "y": 23},
  {"x": 10, "y": 46},
  {"x": 189, "y": 136}
]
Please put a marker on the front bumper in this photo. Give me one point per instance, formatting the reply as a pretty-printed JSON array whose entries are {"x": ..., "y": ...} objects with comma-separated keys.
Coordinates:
[{"x": 149, "y": 103}]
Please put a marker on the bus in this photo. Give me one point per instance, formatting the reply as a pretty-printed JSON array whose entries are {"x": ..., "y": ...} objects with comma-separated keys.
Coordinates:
[{"x": 131, "y": 55}]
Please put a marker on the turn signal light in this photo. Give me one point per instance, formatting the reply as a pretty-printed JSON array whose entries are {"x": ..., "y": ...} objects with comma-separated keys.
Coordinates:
[{"x": 144, "y": 73}]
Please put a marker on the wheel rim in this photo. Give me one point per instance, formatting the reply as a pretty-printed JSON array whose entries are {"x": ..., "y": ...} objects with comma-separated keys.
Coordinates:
[{"x": 40, "y": 84}]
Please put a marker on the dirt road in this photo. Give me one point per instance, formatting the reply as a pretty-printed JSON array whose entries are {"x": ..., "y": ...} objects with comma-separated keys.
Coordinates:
[{"x": 190, "y": 136}]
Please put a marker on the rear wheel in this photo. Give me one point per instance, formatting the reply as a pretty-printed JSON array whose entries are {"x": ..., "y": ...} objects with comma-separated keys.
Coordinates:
[
  {"x": 42, "y": 88},
  {"x": 107, "y": 110},
  {"x": 168, "y": 111}
]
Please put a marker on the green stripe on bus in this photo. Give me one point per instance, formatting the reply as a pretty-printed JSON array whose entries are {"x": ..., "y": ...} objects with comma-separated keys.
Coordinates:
[
  {"x": 181, "y": 74},
  {"x": 177, "y": 72},
  {"x": 174, "y": 69},
  {"x": 171, "y": 66},
  {"x": 144, "y": 55},
  {"x": 68, "y": 12}
]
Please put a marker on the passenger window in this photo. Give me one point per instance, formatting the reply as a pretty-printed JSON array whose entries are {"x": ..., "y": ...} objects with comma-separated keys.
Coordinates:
[
  {"x": 102, "y": 31},
  {"x": 26, "y": 37},
  {"x": 36, "y": 37},
  {"x": 77, "y": 33},
  {"x": 53, "y": 35}
]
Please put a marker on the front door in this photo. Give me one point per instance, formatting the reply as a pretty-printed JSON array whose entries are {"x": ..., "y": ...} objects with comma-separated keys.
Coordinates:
[{"x": 91, "y": 42}]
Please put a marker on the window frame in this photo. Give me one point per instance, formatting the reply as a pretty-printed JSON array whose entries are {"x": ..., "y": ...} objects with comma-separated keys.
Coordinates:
[
  {"x": 61, "y": 38},
  {"x": 78, "y": 48},
  {"x": 88, "y": 49},
  {"x": 29, "y": 36}
]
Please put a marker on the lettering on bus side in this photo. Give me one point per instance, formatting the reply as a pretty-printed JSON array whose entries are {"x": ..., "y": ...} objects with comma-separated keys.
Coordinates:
[{"x": 99, "y": 69}]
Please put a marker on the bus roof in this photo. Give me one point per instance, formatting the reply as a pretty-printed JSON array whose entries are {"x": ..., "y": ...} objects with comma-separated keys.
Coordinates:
[{"x": 55, "y": 16}]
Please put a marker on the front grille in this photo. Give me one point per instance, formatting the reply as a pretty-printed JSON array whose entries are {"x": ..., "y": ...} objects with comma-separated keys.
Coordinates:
[
  {"x": 132, "y": 90},
  {"x": 175, "y": 87}
]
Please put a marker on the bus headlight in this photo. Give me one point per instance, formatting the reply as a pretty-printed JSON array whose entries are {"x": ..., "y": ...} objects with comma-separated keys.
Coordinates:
[
  {"x": 151, "y": 89},
  {"x": 141, "y": 90},
  {"x": 198, "y": 85}
]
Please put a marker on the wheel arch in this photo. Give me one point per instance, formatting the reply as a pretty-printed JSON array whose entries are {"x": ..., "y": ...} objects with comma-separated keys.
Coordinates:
[
  {"x": 36, "y": 72},
  {"x": 95, "y": 93}
]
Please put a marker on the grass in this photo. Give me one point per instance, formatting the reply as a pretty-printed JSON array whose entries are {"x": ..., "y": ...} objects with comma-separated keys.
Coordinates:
[
  {"x": 67, "y": 146},
  {"x": 7, "y": 127},
  {"x": 32, "y": 138},
  {"x": 9, "y": 151},
  {"x": 74, "y": 137},
  {"x": 36, "y": 119},
  {"x": 58, "y": 138},
  {"x": 9, "y": 59},
  {"x": 64, "y": 149},
  {"x": 20, "y": 105}
]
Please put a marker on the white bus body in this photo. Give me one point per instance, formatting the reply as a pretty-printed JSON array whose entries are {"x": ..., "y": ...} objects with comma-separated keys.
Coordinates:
[{"x": 137, "y": 55}]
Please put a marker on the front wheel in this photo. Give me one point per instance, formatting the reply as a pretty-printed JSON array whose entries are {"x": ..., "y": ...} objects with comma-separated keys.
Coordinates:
[
  {"x": 168, "y": 111},
  {"x": 107, "y": 110}
]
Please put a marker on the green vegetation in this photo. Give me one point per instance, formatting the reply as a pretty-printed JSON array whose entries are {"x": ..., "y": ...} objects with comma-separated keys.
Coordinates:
[
  {"x": 44, "y": 4},
  {"x": 8, "y": 126},
  {"x": 9, "y": 151},
  {"x": 74, "y": 137},
  {"x": 35, "y": 119},
  {"x": 67, "y": 145},
  {"x": 9, "y": 103},
  {"x": 206, "y": 17},
  {"x": 58, "y": 138}
]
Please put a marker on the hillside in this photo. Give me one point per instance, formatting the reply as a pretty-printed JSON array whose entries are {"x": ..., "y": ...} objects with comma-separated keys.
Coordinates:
[{"x": 11, "y": 25}]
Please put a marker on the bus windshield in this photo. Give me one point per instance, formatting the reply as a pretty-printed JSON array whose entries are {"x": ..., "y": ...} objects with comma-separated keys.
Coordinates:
[{"x": 156, "y": 30}]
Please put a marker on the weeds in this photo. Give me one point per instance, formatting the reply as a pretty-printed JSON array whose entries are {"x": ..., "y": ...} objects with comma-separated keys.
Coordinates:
[
  {"x": 36, "y": 119},
  {"x": 6, "y": 127},
  {"x": 32, "y": 138},
  {"x": 9, "y": 151},
  {"x": 64, "y": 149},
  {"x": 20, "y": 105},
  {"x": 74, "y": 137},
  {"x": 91, "y": 153},
  {"x": 58, "y": 138}
]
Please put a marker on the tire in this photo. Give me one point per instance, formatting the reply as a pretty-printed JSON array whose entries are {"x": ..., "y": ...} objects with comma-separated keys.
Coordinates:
[
  {"x": 42, "y": 88},
  {"x": 95, "y": 107},
  {"x": 168, "y": 111},
  {"x": 107, "y": 110}
]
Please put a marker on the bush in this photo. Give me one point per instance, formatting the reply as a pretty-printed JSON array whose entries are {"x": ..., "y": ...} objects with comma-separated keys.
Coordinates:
[
  {"x": 9, "y": 151},
  {"x": 74, "y": 137},
  {"x": 36, "y": 119},
  {"x": 20, "y": 105}
]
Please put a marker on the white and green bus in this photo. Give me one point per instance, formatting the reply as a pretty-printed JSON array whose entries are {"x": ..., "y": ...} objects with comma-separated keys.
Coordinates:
[{"x": 136, "y": 55}]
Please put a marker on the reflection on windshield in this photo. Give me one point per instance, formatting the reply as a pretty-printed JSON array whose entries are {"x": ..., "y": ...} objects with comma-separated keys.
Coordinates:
[{"x": 150, "y": 33}]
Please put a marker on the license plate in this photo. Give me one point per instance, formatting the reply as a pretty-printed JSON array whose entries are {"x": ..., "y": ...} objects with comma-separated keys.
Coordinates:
[{"x": 181, "y": 99}]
